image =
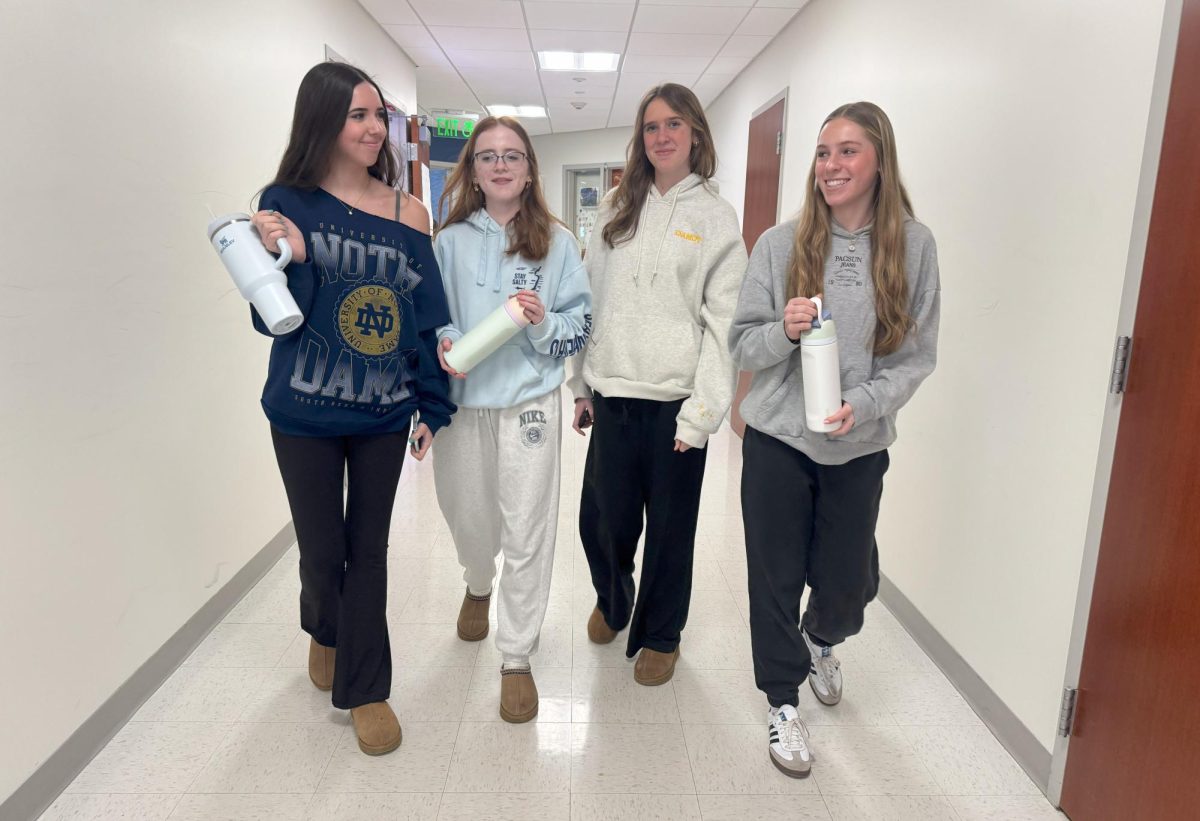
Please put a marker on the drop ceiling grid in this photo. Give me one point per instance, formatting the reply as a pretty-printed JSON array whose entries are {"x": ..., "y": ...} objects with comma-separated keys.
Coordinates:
[{"x": 475, "y": 53}]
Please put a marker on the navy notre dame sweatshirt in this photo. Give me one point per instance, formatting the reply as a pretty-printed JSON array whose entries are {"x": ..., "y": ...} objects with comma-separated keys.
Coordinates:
[{"x": 365, "y": 357}]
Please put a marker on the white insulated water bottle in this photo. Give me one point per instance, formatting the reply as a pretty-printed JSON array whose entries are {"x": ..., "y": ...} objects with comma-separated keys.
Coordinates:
[
  {"x": 821, "y": 371},
  {"x": 259, "y": 278},
  {"x": 481, "y": 341}
]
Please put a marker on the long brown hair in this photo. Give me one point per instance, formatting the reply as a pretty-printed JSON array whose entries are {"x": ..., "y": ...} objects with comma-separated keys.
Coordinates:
[
  {"x": 639, "y": 172},
  {"x": 806, "y": 274},
  {"x": 322, "y": 104},
  {"x": 529, "y": 231}
]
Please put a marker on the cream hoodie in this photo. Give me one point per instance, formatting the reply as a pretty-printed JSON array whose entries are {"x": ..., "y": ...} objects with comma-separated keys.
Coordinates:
[{"x": 663, "y": 302}]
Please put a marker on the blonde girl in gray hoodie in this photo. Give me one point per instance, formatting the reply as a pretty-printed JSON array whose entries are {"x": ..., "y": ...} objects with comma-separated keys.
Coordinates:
[
  {"x": 665, "y": 262},
  {"x": 810, "y": 500}
]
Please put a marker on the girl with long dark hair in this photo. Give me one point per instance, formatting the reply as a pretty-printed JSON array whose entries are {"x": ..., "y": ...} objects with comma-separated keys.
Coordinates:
[
  {"x": 343, "y": 388},
  {"x": 810, "y": 500}
]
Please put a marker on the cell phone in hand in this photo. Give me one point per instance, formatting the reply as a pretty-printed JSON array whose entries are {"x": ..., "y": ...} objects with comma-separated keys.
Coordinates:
[{"x": 585, "y": 420}]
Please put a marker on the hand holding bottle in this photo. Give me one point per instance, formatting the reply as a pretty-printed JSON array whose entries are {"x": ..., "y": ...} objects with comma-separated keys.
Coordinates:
[
  {"x": 798, "y": 315},
  {"x": 443, "y": 348}
]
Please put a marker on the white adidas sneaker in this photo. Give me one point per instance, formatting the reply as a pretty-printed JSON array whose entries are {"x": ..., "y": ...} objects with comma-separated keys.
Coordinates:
[
  {"x": 790, "y": 751},
  {"x": 824, "y": 673}
]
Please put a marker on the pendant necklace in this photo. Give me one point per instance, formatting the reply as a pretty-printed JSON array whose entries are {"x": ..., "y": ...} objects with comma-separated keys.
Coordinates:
[{"x": 363, "y": 193}]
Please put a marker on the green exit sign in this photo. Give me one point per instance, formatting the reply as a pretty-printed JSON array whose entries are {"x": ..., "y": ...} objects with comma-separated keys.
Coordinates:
[{"x": 454, "y": 127}]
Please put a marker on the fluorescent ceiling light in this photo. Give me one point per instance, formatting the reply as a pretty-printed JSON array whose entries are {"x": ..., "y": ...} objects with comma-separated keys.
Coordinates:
[
  {"x": 516, "y": 111},
  {"x": 578, "y": 61}
]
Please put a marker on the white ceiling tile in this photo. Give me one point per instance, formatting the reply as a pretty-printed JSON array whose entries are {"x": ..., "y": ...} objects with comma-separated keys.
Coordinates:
[
  {"x": 489, "y": 13},
  {"x": 437, "y": 74},
  {"x": 561, "y": 84},
  {"x": 704, "y": 45},
  {"x": 728, "y": 65},
  {"x": 492, "y": 59},
  {"x": 682, "y": 20},
  {"x": 710, "y": 85},
  {"x": 782, "y": 4},
  {"x": 414, "y": 36},
  {"x": 515, "y": 76},
  {"x": 578, "y": 16},
  {"x": 592, "y": 111},
  {"x": 745, "y": 45},
  {"x": 536, "y": 127},
  {"x": 567, "y": 40},
  {"x": 648, "y": 64},
  {"x": 479, "y": 38},
  {"x": 639, "y": 84},
  {"x": 390, "y": 12},
  {"x": 593, "y": 101},
  {"x": 427, "y": 57},
  {"x": 742, "y": 3},
  {"x": 765, "y": 21}
]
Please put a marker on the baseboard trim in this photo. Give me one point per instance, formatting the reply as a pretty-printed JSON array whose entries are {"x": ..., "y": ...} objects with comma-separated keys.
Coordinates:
[
  {"x": 57, "y": 772},
  {"x": 1011, "y": 732}
]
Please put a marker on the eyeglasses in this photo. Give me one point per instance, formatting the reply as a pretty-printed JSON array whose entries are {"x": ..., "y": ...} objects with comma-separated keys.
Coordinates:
[{"x": 510, "y": 158}]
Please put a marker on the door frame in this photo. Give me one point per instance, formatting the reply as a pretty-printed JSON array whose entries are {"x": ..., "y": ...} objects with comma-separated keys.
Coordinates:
[
  {"x": 1143, "y": 207},
  {"x": 782, "y": 95}
]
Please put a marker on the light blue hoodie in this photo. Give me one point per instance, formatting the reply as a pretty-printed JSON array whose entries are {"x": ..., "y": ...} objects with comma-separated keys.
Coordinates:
[{"x": 478, "y": 276}]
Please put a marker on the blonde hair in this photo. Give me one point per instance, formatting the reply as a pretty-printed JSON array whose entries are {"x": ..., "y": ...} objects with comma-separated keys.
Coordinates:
[
  {"x": 530, "y": 230},
  {"x": 806, "y": 274}
]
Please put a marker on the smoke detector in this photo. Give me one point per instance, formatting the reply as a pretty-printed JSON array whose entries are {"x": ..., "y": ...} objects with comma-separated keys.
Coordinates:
[{"x": 578, "y": 104}]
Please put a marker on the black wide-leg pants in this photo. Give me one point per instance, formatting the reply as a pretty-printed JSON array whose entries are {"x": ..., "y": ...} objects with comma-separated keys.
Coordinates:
[
  {"x": 343, "y": 539},
  {"x": 813, "y": 524},
  {"x": 633, "y": 470}
]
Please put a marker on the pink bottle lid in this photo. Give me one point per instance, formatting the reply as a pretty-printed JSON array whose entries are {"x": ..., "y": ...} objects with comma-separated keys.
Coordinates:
[{"x": 515, "y": 313}]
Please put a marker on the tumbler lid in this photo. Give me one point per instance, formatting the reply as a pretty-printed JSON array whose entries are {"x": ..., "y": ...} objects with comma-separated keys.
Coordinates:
[{"x": 220, "y": 222}]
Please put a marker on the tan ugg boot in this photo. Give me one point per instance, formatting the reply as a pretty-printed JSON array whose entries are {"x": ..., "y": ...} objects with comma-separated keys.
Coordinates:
[
  {"x": 320, "y": 664},
  {"x": 518, "y": 696},
  {"x": 654, "y": 668},
  {"x": 473, "y": 617},
  {"x": 377, "y": 727},
  {"x": 598, "y": 630}
]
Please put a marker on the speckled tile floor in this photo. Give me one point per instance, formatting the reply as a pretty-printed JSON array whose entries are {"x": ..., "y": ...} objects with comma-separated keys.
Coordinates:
[{"x": 238, "y": 732}]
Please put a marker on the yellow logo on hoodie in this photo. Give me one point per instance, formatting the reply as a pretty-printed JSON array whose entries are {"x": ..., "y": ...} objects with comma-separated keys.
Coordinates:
[{"x": 687, "y": 236}]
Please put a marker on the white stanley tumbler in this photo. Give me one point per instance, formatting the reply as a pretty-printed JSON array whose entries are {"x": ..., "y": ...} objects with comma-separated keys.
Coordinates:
[
  {"x": 259, "y": 278},
  {"x": 822, "y": 373},
  {"x": 481, "y": 341}
]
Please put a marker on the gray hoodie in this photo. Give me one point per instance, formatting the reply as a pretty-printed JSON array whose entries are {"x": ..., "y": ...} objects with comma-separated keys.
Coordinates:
[
  {"x": 876, "y": 387},
  {"x": 662, "y": 302}
]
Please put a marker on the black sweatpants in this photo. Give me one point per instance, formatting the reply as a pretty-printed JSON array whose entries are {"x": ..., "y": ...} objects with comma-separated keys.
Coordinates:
[
  {"x": 632, "y": 468},
  {"x": 805, "y": 523},
  {"x": 343, "y": 550}
]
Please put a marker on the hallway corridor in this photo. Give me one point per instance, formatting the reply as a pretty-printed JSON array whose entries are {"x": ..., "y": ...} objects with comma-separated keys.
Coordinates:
[{"x": 239, "y": 732}]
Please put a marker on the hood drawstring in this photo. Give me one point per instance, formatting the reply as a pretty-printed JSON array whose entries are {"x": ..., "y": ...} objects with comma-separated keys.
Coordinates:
[
  {"x": 641, "y": 234},
  {"x": 484, "y": 224},
  {"x": 663, "y": 240}
]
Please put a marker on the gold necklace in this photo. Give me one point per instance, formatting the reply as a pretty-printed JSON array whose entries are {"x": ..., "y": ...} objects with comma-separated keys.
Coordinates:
[{"x": 350, "y": 208}]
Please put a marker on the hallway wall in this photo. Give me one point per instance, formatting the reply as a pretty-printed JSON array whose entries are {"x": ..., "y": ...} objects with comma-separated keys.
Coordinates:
[
  {"x": 138, "y": 474},
  {"x": 1020, "y": 128}
]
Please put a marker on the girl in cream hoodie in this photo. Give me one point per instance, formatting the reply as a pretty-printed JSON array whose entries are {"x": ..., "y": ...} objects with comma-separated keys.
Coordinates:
[{"x": 665, "y": 261}]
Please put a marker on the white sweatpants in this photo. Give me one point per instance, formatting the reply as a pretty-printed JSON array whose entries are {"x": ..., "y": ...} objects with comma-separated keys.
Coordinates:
[{"x": 497, "y": 476}]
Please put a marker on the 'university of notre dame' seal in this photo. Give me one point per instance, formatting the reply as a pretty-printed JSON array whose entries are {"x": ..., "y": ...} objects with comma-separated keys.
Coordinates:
[{"x": 368, "y": 319}]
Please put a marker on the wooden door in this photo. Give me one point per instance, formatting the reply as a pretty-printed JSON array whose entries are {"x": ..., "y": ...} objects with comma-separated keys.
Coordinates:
[
  {"x": 763, "y": 157},
  {"x": 1135, "y": 747}
]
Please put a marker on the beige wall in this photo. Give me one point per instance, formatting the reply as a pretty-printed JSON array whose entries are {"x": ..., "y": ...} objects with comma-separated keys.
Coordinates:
[
  {"x": 138, "y": 473},
  {"x": 1021, "y": 128},
  {"x": 605, "y": 145}
]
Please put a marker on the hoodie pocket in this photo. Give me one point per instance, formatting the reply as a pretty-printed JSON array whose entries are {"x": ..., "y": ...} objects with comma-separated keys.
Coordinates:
[{"x": 657, "y": 351}]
